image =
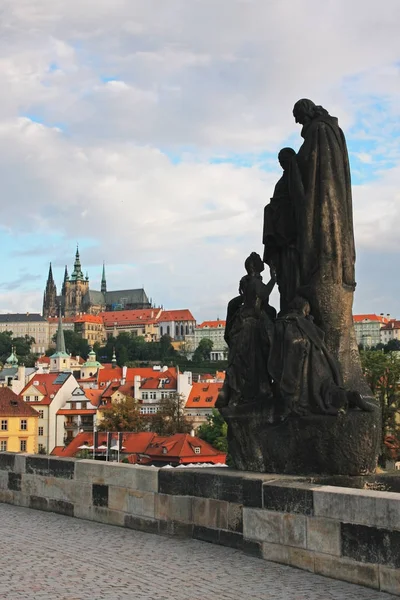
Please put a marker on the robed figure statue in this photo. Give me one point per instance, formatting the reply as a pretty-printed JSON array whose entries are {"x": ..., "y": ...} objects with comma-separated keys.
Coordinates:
[
  {"x": 280, "y": 228},
  {"x": 325, "y": 237}
]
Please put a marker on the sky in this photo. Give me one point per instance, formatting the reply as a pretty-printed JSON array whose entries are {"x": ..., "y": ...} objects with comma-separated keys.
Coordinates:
[{"x": 147, "y": 132}]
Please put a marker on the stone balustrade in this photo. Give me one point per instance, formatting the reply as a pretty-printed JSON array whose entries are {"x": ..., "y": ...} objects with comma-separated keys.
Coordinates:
[{"x": 344, "y": 533}]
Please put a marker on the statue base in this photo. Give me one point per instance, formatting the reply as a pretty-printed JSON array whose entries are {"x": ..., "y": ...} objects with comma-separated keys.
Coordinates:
[{"x": 347, "y": 444}]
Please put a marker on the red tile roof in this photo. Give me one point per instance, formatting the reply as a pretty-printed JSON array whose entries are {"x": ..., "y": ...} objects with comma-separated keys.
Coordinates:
[
  {"x": 89, "y": 319},
  {"x": 45, "y": 360},
  {"x": 203, "y": 395},
  {"x": 44, "y": 384},
  {"x": 393, "y": 324},
  {"x": 132, "y": 442},
  {"x": 130, "y": 317},
  {"x": 176, "y": 449},
  {"x": 176, "y": 315},
  {"x": 104, "y": 375},
  {"x": 371, "y": 317},
  {"x": 64, "y": 319},
  {"x": 11, "y": 405},
  {"x": 180, "y": 449},
  {"x": 212, "y": 325},
  {"x": 93, "y": 395}
]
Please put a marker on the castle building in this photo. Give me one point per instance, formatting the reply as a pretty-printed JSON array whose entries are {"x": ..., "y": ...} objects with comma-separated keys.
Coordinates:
[{"x": 77, "y": 297}]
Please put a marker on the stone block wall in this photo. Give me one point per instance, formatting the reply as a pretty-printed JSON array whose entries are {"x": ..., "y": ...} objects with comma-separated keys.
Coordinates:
[{"x": 344, "y": 533}]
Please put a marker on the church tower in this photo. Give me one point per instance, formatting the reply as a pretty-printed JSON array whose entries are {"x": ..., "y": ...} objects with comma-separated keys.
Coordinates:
[
  {"x": 50, "y": 297},
  {"x": 103, "y": 280},
  {"x": 76, "y": 287}
]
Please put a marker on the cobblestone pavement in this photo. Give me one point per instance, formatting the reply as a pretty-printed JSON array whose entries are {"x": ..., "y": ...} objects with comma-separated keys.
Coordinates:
[{"x": 45, "y": 556}]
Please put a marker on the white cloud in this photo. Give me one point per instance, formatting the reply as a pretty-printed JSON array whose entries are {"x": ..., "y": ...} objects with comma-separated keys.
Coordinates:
[{"x": 122, "y": 86}]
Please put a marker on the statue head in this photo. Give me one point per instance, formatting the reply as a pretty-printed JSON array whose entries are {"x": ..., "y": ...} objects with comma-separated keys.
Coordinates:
[
  {"x": 305, "y": 110},
  {"x": 300, "y": 305},
  {"x": 253, "y": 264},
  {"x": 285, "y": 155}
]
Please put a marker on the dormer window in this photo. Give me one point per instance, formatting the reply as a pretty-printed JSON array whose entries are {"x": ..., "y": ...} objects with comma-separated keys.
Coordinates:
[
  {"x": 197, "y": 449},
  {"x": 164, "y": 450}
]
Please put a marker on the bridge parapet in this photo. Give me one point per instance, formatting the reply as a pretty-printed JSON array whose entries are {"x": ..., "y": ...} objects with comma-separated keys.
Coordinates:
[{"x": 342, "y": 532}]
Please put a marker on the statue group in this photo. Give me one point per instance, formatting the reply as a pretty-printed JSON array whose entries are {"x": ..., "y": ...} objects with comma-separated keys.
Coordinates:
[{"x": 294, "y": 396}]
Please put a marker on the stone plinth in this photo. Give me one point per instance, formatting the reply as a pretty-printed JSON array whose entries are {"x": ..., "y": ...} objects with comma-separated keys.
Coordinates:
[{"x": 347, "y": 444}]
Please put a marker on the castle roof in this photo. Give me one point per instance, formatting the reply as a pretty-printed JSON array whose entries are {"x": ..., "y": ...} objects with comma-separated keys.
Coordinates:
[{"x": 21, "y": 318}]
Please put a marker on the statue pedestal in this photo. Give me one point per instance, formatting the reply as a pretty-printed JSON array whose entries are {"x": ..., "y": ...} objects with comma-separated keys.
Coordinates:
[{"x": 347, "y": 444}]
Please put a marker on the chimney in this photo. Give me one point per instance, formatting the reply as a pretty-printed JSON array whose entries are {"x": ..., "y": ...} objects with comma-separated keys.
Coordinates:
[{"x": 192, "y": 433}]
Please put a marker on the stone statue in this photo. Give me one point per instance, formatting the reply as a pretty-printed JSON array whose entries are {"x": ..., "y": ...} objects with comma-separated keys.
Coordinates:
[
  {"x": 248, "y": 332},
  {"x": 280, "y": 228},
  {"x": 325, "y": 238},
  {"x": 294, "y": 397},
  {"x": 308, "y": 378}
]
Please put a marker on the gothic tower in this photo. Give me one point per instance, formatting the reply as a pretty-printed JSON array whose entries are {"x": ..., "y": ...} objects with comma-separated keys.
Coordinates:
[
  {"x": 50, "y": 297},
  {"x": 76, "y": 286},
  {"x": 103, "y": 280}
]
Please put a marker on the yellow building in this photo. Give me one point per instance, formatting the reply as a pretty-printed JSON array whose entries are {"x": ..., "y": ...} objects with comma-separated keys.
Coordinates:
[{"x": 18, "y": 424}]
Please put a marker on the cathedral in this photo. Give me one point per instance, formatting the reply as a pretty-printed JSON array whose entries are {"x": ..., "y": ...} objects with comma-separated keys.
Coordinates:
[{"x": 76, "y": 296}]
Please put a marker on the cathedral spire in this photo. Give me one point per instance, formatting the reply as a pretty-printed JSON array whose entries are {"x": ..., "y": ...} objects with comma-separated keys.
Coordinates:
[
  {"x": 77, "y": 273},
  {"x": 50, "y": 278},
  {"x": 50, "y": 296},
  {"x": 103, "y": 280}
]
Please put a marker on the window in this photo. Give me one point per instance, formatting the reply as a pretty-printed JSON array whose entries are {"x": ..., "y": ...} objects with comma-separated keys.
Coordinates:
[
  {"x": 196, "y": 399},
  {"x": 153, "y": 395},
  {"x": 41, "y": 414},
  {"x": 83, "y": 405},
  {"x": 40, "y": 430},
  {"x": 3, "y": 445},
  {"x": 36, "y": 398},
  {"x": 209, "y": 399},
  {"x": 73, "y": 405},
  {"x": 197, "y": 450},
  {"x": 41, "y": 447},
  {"x": 145, "y": 396},
  {"x": 22, "y": 445},
  {"x": 4, "y": 425},
  {"x": 27, "y": 398},
  {"x": 23, "y": 424}
]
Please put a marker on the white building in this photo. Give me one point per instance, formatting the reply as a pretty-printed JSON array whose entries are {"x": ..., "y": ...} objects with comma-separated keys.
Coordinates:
[
  {"x": 176, "y": 323},
  {"x": 47, "y": 393},
  {"x": 211, "y": 330},
  {"x": 390, "y": 331},
  {"x": 368, "y": 329}
]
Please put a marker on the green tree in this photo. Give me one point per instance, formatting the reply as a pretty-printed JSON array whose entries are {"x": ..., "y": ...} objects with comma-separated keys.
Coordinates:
[
  {"x": 123, "y": 416},
  {"x": 5, "y": 345},
  {"x": 382, "y": 372},
  {"x": 203, "y": 350},
  {"x": 214, "y": 431},
  {"x": 23, "y": 345},
  {"x": 74, "y": 344},
  {"x": 170, "y": 418}
]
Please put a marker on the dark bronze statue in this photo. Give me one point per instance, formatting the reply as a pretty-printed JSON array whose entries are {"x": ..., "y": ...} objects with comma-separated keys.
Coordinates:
[
  {"x": 294, "y": 396},
  {"x": 307, "y": 377},
  {"x": 280, "y": 228},
  {"x": 248, "y": 332}
]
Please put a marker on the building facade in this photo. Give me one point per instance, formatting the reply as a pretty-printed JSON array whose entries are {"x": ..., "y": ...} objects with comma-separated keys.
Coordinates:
[
  {"x": 211, "y": 330},
  {"x": 390, "y": 331},
  {"x": 27, "y": 324},
  {"x": 368, "y": 329},
  {"x": 18, "y": 424},
  {"x": 178, "y": 324},
  {"x": 90, "y": 328}
]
